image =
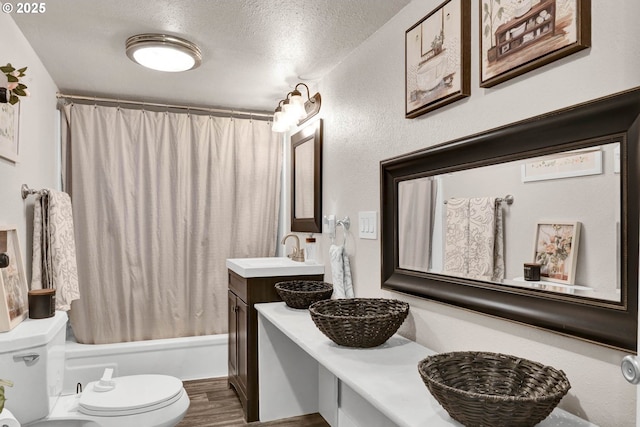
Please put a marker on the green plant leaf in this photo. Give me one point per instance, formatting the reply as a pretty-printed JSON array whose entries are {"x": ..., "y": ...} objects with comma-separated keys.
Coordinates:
[
  {"x": 11, "y": 78},
  {"x": 14, "y": 99},
  {"x": 19, "y": 92},
  {"x": 22, "y": 70},
  {"x": 500, "y": 12}
]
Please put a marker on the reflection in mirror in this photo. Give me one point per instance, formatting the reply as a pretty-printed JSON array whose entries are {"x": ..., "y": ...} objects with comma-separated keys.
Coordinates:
[
  {"x": 574, "y": 175},
  {"x": 306, "y": 181},
  {"x": 457, "y": 224},
  {"x": 303, "y": 180}
]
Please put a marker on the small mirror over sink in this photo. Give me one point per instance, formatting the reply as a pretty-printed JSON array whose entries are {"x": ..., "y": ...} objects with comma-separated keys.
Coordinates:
[
  {"x": 306, "y": 179},
  {"x": 535, "y": 222}
]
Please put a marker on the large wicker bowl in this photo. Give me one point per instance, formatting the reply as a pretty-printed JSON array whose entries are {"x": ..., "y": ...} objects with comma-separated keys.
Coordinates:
[
  {"x": 492, "y": 389},
  {"x": 359, "y": 322},
  {"x": 303, "y": 293}
]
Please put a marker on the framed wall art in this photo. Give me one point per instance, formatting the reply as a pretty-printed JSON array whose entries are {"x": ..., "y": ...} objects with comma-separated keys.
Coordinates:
[
  {"x": 14, "y": 301},
  {"x": 517, "y": 36},
  {"x": 9, "y": 121},
  {"x": 437, "y": 58},
  {"x": 556, "y": 250}
]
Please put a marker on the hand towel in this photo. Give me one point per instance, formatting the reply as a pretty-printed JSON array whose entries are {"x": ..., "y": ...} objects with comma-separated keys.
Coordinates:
[
  {"x": 474, "y": 245},
  {"x": 54, "y": 249},
  {"x": 340, "y": 272}
]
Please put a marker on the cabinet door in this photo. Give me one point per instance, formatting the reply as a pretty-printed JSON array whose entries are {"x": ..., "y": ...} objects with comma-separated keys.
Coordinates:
[
  {"x": 242, "y": 337},
  {"x": 233, "y": 335}
]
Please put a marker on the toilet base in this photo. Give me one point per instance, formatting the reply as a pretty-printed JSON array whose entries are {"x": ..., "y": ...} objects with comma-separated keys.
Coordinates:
[{"x": 65, "y": 414}]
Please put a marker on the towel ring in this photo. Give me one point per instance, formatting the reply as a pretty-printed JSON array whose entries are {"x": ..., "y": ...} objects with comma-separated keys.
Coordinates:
[{"x": 345, "y": 223}]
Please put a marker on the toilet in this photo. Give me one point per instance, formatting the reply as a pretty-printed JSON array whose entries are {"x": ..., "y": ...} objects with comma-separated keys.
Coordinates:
[{"x": 32, "y": 357}]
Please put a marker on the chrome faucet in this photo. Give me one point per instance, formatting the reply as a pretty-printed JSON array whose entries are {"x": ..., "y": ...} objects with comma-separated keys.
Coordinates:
[{"x": 297, "y": 254}]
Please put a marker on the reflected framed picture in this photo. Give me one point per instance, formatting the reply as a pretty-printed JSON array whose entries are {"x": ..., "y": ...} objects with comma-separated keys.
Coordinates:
[
  {"x": 9, "y": 126},
  {"x": 563, "y": 165},
  {"x": 14, "y": 300},
  {"x": 517, "y": 36},
  {"x": 437, "y": 58},
  {"x": 556, "y": 250}
]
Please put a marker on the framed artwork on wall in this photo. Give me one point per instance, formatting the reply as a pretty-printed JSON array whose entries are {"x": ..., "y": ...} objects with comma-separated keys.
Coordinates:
[
  {"x": 437, "y": 58},
  {"x": 556, "y": 250},
  {"x": 517, "y": 36},
  {"x": 14, "y": 302},
  {"x": 9, "y": 126}
]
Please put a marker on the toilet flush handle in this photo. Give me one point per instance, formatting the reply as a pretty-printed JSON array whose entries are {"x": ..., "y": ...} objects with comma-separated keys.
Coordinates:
[{"x": 29, "y": 358}]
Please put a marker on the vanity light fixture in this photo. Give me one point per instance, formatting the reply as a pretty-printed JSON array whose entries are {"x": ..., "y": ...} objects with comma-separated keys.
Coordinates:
[
  {"x": 294, "y": 110},
  {"x": 163, "y": 53}
]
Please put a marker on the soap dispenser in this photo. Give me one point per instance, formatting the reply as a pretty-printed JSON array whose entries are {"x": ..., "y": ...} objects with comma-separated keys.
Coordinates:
[{"x": 310, "y": 249}]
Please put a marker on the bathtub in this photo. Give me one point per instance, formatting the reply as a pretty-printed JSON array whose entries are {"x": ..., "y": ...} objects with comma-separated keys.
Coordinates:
[{"x": 186, "y": 358}]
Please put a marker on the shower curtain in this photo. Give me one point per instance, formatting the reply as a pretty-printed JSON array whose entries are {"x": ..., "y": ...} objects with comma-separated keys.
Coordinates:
[{"x": 160, "y": 200}]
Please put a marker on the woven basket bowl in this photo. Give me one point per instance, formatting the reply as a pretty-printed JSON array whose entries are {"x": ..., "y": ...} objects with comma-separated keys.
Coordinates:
[
  {"x": 303, "y": 293},
  {"x": 492, "y": 389},
  {"x": 359, "y": 322}
]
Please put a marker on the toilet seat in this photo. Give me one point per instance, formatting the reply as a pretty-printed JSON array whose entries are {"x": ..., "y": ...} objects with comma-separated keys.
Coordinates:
[{"x": 131, "y": 395}]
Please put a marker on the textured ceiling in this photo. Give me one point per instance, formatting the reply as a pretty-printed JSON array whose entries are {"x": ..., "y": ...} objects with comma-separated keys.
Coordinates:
[{"x": 254, "y": 51}]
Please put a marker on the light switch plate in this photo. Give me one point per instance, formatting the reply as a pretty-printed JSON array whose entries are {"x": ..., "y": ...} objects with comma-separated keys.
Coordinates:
[{"x": 368, "y": 225}]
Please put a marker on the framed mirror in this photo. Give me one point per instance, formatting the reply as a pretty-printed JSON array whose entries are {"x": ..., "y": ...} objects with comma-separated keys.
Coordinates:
[
  {"x": 463, "y": 223},
  {"x": 306, "y": 179}
]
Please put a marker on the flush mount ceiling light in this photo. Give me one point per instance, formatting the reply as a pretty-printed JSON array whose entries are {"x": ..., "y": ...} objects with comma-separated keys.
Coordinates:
[
  {"x": 294, "y": 110},
  {"x": 163, "y": 53}
]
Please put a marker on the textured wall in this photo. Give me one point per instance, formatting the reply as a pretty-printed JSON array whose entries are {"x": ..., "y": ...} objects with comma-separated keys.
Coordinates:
[
  {"x": 363, "y": 108},
  {"x": 38, "y": 150}
]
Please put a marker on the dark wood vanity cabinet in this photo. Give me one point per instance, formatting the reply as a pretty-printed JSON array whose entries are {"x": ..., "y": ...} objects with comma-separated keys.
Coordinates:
[{"x": 243, "y": 333}]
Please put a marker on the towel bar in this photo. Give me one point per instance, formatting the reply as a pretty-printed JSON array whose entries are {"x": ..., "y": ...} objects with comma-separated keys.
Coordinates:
[
  {"x": 508, "y": 199},
  {"x": 26, "y": 191}
]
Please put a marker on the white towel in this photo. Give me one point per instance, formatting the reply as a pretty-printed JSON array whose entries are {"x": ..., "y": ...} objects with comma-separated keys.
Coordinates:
[
  {"x": 341, "y": 272},
  {"x": 54, "y": 248}
]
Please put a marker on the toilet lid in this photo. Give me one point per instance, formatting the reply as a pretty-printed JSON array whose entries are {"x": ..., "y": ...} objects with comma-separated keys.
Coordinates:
[{"x": 131, "y": 395}]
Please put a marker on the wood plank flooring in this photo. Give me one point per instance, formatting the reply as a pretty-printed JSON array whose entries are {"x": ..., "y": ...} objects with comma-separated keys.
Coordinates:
[{"x": 213, "y": 403}]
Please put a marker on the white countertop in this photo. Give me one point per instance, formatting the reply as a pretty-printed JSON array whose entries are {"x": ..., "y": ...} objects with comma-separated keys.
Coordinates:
[
  {"x": 386, "y": 376},
  {"x": 272, "y": 267}
]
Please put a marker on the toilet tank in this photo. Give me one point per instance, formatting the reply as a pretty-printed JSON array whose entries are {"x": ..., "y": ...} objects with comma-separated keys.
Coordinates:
[{"x": 32, "y": 357}]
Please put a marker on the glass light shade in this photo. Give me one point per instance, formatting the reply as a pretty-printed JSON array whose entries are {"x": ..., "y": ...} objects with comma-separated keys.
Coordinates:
[
  {"x": 297, "y": 107},
  {"x": 163, "y": 58},
  {"x": 280, "y": 124},
  {"x": 163, "y": 53}
]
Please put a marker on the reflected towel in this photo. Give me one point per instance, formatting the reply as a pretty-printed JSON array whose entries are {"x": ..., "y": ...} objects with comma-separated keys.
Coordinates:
[
  {"x": 474, "y": 245},
  {"x": 340, "y": 272},
  {"x": 54, "y": 249}
]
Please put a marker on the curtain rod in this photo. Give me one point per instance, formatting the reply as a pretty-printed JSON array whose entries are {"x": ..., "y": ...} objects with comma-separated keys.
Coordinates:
[{"x": 254, "y": 114}]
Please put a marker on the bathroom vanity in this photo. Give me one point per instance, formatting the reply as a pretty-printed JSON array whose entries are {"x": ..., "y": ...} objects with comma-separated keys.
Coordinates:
[
  {"x": 378, "y": 386},
  {"x": 252, "y": 281}
]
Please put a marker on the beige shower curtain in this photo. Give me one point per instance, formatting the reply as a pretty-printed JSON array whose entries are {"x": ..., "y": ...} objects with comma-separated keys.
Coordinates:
[{"x": 160, "y": 200}]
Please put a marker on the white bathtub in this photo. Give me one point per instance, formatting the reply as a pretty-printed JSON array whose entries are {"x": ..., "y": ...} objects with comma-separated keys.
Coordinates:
[{"x": 186, "y": 358}]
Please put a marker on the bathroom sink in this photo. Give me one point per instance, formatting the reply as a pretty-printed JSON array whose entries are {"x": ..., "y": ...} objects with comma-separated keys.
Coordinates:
[{"x": 271, "y": 267}]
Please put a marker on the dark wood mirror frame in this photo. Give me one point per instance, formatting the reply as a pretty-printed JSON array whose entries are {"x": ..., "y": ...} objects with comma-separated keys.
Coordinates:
[
  {"x": 610, "y": 119},
  {"x": 312, "y": 132}
]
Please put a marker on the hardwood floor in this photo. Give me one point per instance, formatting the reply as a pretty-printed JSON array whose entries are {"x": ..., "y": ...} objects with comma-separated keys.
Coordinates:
[{"x": 213, "y": 403}]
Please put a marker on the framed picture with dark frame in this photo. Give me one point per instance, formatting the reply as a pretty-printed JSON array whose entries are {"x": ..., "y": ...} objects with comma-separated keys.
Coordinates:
[
  {"x": 437, "y": 58},
  {"x": 14, "y": 300},
  {"x": 556, "y": 250},
  {"x": 517, "y": 36}
]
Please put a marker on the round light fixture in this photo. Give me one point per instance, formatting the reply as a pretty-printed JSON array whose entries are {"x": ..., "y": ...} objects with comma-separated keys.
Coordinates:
[{"x": 163, "y": 53}]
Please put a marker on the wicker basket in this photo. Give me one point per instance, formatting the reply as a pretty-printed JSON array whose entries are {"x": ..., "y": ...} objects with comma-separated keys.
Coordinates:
[
  {"x": 303, "y": 293},
  {"x": 359, "y": 322},
  {"x": 491, "y": 389}
]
